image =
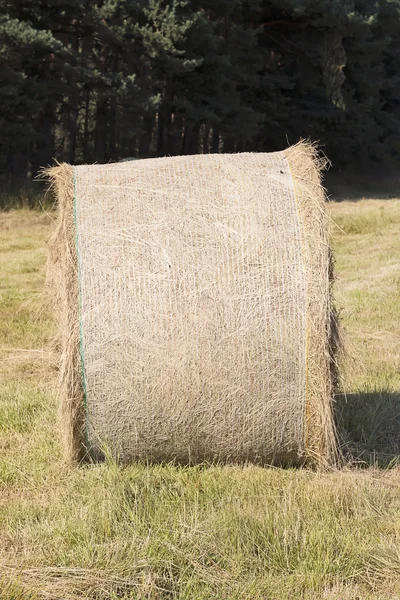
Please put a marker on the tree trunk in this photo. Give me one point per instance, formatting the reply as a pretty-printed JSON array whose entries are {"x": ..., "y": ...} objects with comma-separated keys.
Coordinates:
[
  {"x": 85, "y": 144},
  {"x": 44, "y": 154},
  {"x": 146, "y": 137},
  {"x": 175, "y": 138},
  {"x": 101, "y": 127},
  {"x": 164, "y": 119},
  {"x": 113, "y": 125},
  {"x": 228, "y": 144},
  {"x": 71, "y": 127},
  {"x": 206, "y": 135},
  {"x": 190, "y": 138},
  {"x": 16, "y": 163},
  {"x": 112, "y": 130},
  {"x": 72, "y": 110},
  {"x": 215, "y": 140},
  {"x": 101, "y": 112},
  {"x": 87, "y": 41}
]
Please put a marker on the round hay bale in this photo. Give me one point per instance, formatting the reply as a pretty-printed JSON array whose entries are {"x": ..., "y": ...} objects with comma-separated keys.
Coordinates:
[{"x": 193, "y": 296}]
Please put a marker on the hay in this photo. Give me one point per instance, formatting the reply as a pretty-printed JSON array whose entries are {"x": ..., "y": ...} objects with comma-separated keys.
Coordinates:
[{"x": 194, "y": 303}]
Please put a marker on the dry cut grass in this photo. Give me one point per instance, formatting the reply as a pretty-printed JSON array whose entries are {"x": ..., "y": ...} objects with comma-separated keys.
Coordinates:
[{"x": 161, "y": 532}]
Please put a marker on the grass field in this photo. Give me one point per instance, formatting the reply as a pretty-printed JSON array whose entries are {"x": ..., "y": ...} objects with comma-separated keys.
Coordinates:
[{"x": 106, "y": 532}]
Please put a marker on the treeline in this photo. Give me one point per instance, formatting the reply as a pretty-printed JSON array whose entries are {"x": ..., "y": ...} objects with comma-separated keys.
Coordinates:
[{"x": 86, "y": 81}]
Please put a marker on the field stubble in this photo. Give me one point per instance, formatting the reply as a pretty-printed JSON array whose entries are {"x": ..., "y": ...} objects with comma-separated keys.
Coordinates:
[{"x": 229, "y": 532}]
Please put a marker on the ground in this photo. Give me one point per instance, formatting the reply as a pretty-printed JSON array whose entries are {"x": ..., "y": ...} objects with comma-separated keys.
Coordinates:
[{"x": 106, "y": 532}]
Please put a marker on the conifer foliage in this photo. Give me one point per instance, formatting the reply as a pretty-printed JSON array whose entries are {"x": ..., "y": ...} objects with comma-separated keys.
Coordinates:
[{"x": 103, "y": 80}]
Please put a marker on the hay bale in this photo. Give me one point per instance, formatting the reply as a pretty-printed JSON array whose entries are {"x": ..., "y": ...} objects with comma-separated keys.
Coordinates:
[{"x": 193, "y": 296}]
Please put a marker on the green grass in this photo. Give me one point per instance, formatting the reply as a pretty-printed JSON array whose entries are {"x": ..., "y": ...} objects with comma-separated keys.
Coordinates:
[{"x": 225, "y": 532}]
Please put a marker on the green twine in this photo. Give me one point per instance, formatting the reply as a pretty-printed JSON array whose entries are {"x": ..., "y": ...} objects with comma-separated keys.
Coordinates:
[{"x": 81, "y": 350}]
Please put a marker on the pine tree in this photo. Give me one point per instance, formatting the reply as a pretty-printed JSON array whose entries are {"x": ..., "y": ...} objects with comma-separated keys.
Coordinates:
[{"x": 99, "y": 81}]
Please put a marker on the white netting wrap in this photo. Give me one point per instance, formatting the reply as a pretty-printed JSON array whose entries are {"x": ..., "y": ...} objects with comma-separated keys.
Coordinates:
[{"x": 192, "y": 307}]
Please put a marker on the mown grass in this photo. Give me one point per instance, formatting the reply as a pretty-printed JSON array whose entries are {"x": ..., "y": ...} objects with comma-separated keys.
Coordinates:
[
  {"x": 226, "y": 532},
  {"x": 368, "y": 265}
]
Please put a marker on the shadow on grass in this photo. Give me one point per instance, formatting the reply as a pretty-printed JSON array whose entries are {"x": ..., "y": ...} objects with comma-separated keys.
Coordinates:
[{"x": 369, "y": 427}]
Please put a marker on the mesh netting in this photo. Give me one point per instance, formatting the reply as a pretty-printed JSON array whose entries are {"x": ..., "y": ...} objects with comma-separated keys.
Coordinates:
[{"x": 193, "y": 308}]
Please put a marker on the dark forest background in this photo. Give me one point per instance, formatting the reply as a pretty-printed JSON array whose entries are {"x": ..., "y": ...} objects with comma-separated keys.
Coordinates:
[{"x": 92, "y": 81}]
